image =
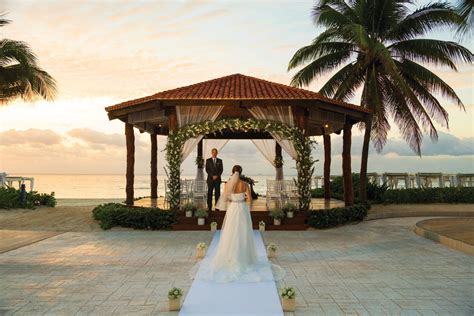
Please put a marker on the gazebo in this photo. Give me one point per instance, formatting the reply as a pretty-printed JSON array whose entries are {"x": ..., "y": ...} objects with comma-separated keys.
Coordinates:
[{"x": 238, "y": 107}]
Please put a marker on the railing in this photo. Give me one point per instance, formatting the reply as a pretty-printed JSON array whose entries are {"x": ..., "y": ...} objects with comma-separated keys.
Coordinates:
[
  {"x": 413, "y": 180},
  {"x": 7, "y": 181}
]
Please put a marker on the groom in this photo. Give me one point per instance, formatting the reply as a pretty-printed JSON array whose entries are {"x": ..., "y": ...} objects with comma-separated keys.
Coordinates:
[{"x": 214, "y": 168}]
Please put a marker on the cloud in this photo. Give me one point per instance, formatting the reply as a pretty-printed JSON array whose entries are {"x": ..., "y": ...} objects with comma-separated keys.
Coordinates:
[
  {"x": 30, "y": 136},
  {"x": 96, "y": 138},
  {"x": 447, "y": 144}
]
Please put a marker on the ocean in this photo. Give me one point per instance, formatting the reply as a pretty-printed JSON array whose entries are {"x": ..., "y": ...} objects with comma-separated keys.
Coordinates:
[{"x": 108, "y": 186}]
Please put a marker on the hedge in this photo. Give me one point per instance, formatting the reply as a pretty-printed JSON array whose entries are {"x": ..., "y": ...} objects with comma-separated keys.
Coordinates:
[
  {"x": 430, "y": 195},
  {"x": 148, "y": 218},
  {"x": 10, "y": 198},
  {"x": 336, "y": 216}
]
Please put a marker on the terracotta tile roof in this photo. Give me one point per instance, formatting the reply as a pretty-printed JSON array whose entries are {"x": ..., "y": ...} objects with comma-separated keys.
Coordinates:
[{"x": 236, "y": 87}]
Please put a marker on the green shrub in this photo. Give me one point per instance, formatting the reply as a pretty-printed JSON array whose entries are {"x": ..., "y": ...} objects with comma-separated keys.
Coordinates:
[
  {"x": 277, "y": 213},
  {"x": 149, "y": 218},
  {"x": 189, "y": 207},
  {"x": 430, "y": 195},
  {"x": 336, "y": 216},
  {"x": 317, "y": 193},
  {"x": 10, "y": 198},
  {"x": 201, "y": 213}
]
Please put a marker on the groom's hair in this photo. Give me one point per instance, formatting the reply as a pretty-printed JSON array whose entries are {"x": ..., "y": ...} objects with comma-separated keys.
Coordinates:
[{"x": 237, "y": 168}]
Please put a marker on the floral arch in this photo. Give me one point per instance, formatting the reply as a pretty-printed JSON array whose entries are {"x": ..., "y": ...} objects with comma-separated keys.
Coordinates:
[{"x": 302, "y": 145}]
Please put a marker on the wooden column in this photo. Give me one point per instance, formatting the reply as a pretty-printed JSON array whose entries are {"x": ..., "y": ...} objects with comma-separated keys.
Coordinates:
[
  {"x": 130, "y": 142},
  {"x": 346, "y": 165},
  {"x": 154, "y": 166},
  {"x": 327, "y": 166},
  {"x": 278, "y": 154},
  {"x": 199, "y": 149}
]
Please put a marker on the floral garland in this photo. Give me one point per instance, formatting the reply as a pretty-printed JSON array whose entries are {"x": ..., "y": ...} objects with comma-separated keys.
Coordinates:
[
  {"x": 247, "y": 179},
  {"x": 199, "y": 162},
  {"x": 278, "y": 161},
  {"x": 302, "y": 144}
]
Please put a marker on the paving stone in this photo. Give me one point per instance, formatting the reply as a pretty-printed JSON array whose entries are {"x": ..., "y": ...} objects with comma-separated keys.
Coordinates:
[{"x": 373, "y": 268}]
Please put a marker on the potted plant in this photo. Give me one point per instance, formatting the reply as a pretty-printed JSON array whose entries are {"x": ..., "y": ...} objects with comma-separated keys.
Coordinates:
[
  {"x": 213, "y": 226},
  {"x": 277, "y": 215},
  {"x": 261, "y": 226},
  {"x": 201, "y": 250},
  {"x": 271, "y": 250},
  {"x": 174, "y": 299},
  {"x": 189, "y": 209},
  {"x": 201, "y": 214},
  {"x": 288, "y": 295},
  {"x": 289, "y": 209}
]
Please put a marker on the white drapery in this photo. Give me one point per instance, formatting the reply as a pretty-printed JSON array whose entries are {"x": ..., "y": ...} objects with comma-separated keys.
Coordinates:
[
  {"x": 267, "y": 148},
  {"x": 281, "y": 114},
  {"x": 195, "y": 114}
]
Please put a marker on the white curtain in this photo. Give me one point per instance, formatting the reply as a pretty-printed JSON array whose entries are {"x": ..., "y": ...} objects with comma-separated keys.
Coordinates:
[
  {"x": 281, "y": 114},
  {"x": 267, "y": 148},
  {"x": 195, "y": 114}
]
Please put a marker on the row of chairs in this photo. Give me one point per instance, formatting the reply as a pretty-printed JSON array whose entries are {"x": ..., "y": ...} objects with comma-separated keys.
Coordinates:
[
  {"x": 417, "y": 180},
  {"x": 281, "y": 192},
  {"x": 191, "y": 191}
]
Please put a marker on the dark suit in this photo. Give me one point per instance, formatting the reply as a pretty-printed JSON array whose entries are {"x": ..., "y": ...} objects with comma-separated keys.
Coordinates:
[{"x": 213, "y": 185}]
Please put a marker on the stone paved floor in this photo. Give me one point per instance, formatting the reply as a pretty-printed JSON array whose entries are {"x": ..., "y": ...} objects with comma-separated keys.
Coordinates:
[{"x": 376, "y": 267}]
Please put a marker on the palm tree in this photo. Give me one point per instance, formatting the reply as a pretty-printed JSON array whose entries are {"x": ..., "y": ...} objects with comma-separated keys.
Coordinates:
[
  {"x": 20, "y": 75},
  {"x": 380, "y": 45},
  {"x": 464, "y": 8}
]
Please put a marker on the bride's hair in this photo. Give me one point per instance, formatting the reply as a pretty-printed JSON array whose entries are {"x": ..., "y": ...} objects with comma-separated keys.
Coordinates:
[{"x": 237, "y": 168}]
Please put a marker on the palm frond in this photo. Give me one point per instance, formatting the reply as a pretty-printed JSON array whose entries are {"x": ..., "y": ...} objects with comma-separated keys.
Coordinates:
[
  {"x": 318, "y": 67},
  {"x": 424, "y": 20},
  {"x": 432, "y": 51}
]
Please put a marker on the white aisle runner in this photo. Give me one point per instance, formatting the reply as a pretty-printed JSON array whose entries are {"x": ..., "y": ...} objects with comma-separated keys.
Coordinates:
[{"x": 252, "y": 298}]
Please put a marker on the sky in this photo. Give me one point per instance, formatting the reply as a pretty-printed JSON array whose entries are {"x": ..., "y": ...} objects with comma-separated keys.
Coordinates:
[{"x": 105, "y": 52}]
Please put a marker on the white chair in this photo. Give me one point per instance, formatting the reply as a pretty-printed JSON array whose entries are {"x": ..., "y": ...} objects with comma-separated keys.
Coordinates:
[
  {"x": 199, "y": 196},
  {"x": 274, "y": 192},
  {"x": 290, "y": 192},
  {"x": 167, "y": 194},
  {"x": 185, "y": 188},
  {"x": 3, "y": 179}
]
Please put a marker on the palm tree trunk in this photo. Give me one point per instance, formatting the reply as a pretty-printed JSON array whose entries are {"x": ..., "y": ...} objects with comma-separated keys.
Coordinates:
[
  {"x": 327, "y": 166},
  {"x": 364, "y": 162},
  {"x": 346, "y": 165}
]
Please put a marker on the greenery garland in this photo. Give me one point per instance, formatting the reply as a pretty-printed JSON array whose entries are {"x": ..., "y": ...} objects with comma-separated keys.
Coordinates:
[
  {"x": 302, "y": 144},
  {"x": 199, "y": 162},
  {"x": 278, "y": 161}
]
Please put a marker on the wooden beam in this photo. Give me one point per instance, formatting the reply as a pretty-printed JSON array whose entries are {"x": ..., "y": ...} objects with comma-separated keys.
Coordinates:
[
  {"x": 346, "y": 165},
  {"x": 327, "y": 166},
  {"x": 146, "y": 115},
  {"x": 154, "y": 166},
  {"x": 172, "y": 119},
  {"x": 130, "y": 143}
]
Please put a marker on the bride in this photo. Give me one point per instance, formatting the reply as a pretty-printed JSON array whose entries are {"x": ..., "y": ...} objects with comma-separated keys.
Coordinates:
[{"x": 236, "y": 258}]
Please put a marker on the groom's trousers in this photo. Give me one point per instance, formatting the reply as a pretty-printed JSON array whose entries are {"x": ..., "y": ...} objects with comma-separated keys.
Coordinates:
[{"x": 214, "y": 186}]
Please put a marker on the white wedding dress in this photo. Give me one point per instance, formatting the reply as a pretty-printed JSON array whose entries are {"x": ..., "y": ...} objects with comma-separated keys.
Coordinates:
[{"x": 235, "y": 258}]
